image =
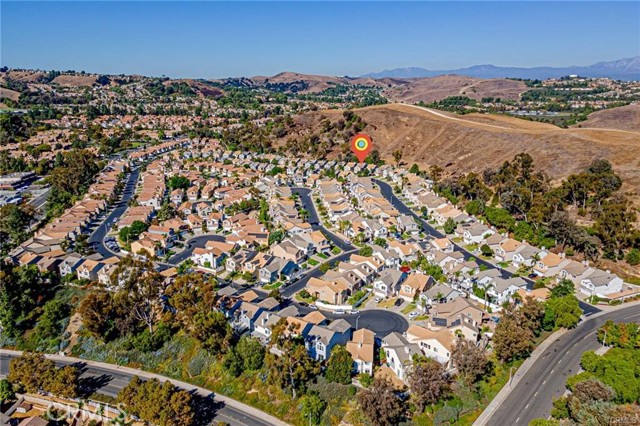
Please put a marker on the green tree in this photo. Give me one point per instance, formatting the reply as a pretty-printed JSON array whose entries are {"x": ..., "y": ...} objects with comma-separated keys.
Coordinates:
[
  {"x": 14, "y": 221},
  {"x": 29, "y": 371},
  {"x": 339, "y": 366},
  {"x": 161, "y": 404},
  {"x": 562, "y": 312},
  {"x": 178, "y": 182},
  {"x": 633, "y": 257},
  {"x": 22, "y": 289},
  {"x": 311, "y": 409},
  {"x": 486, "y": 250},
  {"x": 511, "y": 339},
  {"x": 6, "y": 391},
  {"x": 252, "y": 353},
  {"x": 450, "y": 226},
  {"x": 414, "y": 169},
  {"x": 63, "y": 382},
  {"x": 366, "y": 251}
]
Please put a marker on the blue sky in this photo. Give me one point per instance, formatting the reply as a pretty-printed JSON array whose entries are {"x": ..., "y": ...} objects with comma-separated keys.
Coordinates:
[{"x": 221, "y": 39}]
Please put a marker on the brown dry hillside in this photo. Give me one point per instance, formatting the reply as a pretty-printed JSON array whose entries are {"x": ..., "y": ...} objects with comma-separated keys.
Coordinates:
[
  {"x": 409, "y": 90},
  {"x": 474, "y": 142},
  {"x": 75, "y": 80},
  {"x": 624, "y": 118},
  {"x": 11, "y": 94},
  {"x": 435, "y": 88}
]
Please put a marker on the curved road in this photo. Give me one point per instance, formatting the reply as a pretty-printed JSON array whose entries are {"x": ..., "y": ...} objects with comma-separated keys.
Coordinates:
[
  {"x": 111, "y": 379},
  {"x": 387, "y": 192},
  {"x": 199, "y": 241},
  {"x": 532, "y": 396},
  {"x": 100, "y": 233}
]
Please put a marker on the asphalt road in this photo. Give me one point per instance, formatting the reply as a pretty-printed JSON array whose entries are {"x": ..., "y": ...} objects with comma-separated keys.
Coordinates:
[
  {"x": 191, "y": 244},
  {"x": 121, "y": 206},
  {"x": 387, "y": 192},
  {"x": 109, "y": 381},
  {"x": 532, "y": 396},
  {"x": 315, "y": 220},
  {"x": 380, "y": 321}
]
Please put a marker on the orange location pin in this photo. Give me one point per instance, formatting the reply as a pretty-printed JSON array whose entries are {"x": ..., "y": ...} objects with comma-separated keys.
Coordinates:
[{"x": 360, "y": 146}]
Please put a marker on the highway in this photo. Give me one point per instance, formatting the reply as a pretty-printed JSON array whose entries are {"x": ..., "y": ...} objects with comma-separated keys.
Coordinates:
[
  {"x": 110, "y": 379},
  {"x": 532, "y": 396}
]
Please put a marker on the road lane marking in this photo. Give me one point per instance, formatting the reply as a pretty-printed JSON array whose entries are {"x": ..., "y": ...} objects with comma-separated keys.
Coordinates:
[
  {"x": 518, "y": 419},
  {"x": 526, "y": 406}
]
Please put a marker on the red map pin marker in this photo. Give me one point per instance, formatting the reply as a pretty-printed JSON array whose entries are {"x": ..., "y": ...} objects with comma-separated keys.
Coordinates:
[{"x": 360, "y": 146}]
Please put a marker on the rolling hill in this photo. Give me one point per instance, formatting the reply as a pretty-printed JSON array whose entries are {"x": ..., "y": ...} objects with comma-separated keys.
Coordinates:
[
  {"x": 623, "y": 118},
  {"x": 474, "y": 142}
]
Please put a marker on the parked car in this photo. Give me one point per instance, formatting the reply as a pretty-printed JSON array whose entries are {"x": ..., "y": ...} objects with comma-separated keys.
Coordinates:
[
  {"x": 413, "y": 314},
  {"x": 399, "y": 302},
  {"x": 378, "y": 299},
  {"x": 339, "y": 312},
  {"x": 354, "y": 312}
]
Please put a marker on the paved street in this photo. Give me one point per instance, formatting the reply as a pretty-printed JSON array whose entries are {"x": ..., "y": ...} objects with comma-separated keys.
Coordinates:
[
  {"x": 387, "y": 192},
  {"x": 120, "y": 207},
  {"x": 110, "y": 379},
  {"x": 191, "y": 244},
  {"x": 532, "y": 396}
]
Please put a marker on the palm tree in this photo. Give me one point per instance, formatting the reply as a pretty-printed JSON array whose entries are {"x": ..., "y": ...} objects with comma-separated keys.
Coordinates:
[{"x": 486, "y": 294}]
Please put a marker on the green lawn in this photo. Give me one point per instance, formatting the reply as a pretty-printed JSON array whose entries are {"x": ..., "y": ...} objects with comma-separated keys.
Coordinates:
[
  {"x": 322, "y": 256},
  {"x": 273, "y": 286},
  {"x": 410, "y": 307},
  {"x": 312, "y": 262},
  {"x": 336, "y": 250},
  {"x": 303, "y": 299}
]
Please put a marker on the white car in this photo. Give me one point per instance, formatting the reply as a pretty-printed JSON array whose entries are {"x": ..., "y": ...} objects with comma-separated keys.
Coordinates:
[
  {"x": 378, "y": 299},
  {"x": 354, "y": 312},
  {"x": 339, "y": 312},
  {"x": 413, "y": 314}
]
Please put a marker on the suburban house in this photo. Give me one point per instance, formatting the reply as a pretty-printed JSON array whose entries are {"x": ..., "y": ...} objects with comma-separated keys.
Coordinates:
[
  {"x": 88, "y": 270},
  {"x": 436, "y": 344},
  {"x": 439, "y": 293},
  {"x": 601, "y": 283},
  {"x": 550, "y": 264},
  {"x": 211, "y": 258},
  {"x": 399, "y": 353},
  {"x": 450, "y": 314},
  {"x": 278, "y": 269},
  {"x": 362, "y": 350},
  {"x": 335, "y": 293},
  {"x": 414, "y": 285},
  {"x": 406, "y": 223},
  {"x": 387, "y": 283},
  {"x": 321, "y": 339}
]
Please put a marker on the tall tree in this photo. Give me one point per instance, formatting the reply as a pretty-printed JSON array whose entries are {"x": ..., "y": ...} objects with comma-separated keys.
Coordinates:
[
  {"x": 470, "y": 360},
  {"x": 380, "y": 403},
  {"x": 141, "y": 286},
  {"x": 427, "y": 382},
  {"x": 339, "y": 366}
]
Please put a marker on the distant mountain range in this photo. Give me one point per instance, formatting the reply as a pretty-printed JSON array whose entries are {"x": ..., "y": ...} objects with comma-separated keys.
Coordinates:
[{"x": 622, "y": 69}]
